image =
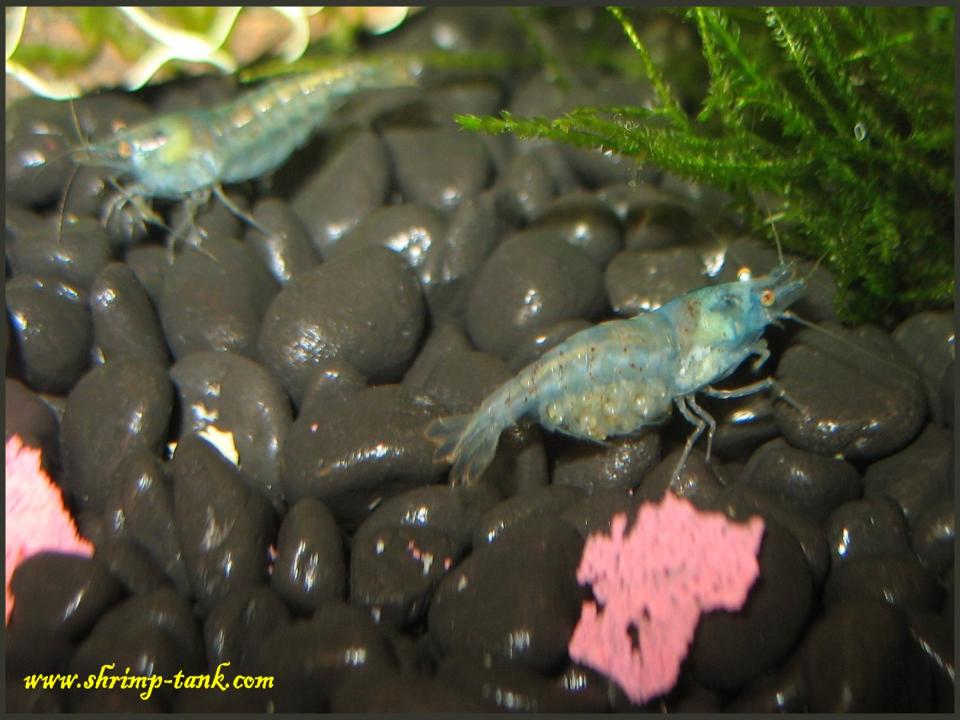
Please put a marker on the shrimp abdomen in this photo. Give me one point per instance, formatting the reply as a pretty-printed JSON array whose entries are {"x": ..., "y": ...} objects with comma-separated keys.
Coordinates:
[{"x": 258, "y": 131}]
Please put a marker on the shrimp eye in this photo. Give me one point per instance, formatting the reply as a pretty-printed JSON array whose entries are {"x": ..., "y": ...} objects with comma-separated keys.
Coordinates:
[{"x": 767, "y": 297}]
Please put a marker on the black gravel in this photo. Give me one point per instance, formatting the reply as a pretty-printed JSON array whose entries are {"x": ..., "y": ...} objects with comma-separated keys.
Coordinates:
[{"x": 410, "y": 268}]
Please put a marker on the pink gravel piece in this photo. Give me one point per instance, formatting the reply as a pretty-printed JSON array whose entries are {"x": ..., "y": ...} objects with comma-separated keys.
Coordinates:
[
  {"x": 36, "y": 517},
  {"x": 652, "y": 584}
]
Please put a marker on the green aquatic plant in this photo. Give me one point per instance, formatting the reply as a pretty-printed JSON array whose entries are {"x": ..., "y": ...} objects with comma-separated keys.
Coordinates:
[{"x": 833, "y": 126}]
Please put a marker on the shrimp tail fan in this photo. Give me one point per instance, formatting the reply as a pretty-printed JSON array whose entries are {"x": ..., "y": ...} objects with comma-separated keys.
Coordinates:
[{"x": 469, "y": 445}]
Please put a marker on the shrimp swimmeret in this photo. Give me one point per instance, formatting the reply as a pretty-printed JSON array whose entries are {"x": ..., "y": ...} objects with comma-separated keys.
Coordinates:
[
  {"x": 189, "y": 154},
  {"x": 618, "y": 376}
]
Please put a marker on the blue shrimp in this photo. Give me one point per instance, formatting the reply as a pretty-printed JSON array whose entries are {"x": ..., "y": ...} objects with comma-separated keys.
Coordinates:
[
  {"x": 189, "y": 154},
  {"x": 621, "y": 375}
]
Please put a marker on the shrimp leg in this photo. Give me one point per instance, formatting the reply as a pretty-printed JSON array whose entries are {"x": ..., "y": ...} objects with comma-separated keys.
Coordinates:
[
  {"x": 707, "y": 418},
  {"x": 236, "y": 209},
  {"x": 752, "y": 389},
  {"x": 699, "y": 422}
]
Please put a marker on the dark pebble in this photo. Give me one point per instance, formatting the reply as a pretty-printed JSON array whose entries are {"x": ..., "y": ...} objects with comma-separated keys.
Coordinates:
[
  {"x": 392, "y": 692},
  {"x": 687, "y": 696},
  {"x": 149, "y": 264},
  {"x": 309, "y": 659},
  {"x": 514, "y": 689},
  {"x": 37, "y": 145},
  {"x": 596, "y": 167},
  {"x": 115, "y": 411},
  {"x": 594, "y": 513},
  {"x": 229, "y": 393},
  {"x": 460, "y": 379},
  {"x": 853, "y": 402},
  {"x": 782, "y": 690},
  {"x": 51, "y": 331},
  {"x": 74, "y": 252},
  {"x": 525, "y": 189},
  {"x": 237, "y": 626},
  {"x": 20, "y": 224},
  {"x": 415, "y": 232},
  {"x": 537, "y": 94},
  {"x": 331, "y": 380},
  {"x": 146, "y": 498},
  {"x": 35, "y": 701},
  {"x": 214, "y": 700},
  {"x": 128, "y": 702},
  {"x": 478, "y": 96},
  {"x": 99, "y": 115},
  {"x": 948, "y": 605},
  {"x": 163, "y": 609},
  {"x": 125, "y": 323},
  {"x": 205, "y": 92},
  {"x": 741, "y": 501},
  {"x": 150, "y": 634},
  {"x": 344, "y": 190},
  {"x": 928, "y": 338},
  {"x": 749, "y": 253},
  {"x": 474, "y": 230},
  {"x": 642, "y": 281},
  {"x": 935, "y": 534},
  {"x": 585, "y": 222},
  {"x": 743, "y": 424},
  {"x": 898, "y": 579},
  {"x": 27, "y": 416},
  {"x": 310, "y": 568},
  {"x": 947, "y": 393},
  {"x": 860, "y": 658},
  {"x": 67, "y": 608},
  {"x": 620, "y": 462},
  {"x": 355, "y": 452},
  {"x": 514, "y": 601},
  {"x": 934, "y": 635},
  {"x": 394, "y": 571},
  {"x": 437, "y": 167},
  {"x": 454, "y": 512},
  {"x": 518, "y": 510},
  {"x": 657, "y": 220},
  {"x": 214, "y": 298},
  {"x": 539, "y": 342},
  {"x": 697, "y": 480},
  {"x": 917, "y": 475},
  {"x": 639, "y": 202},
  {"x": 130, "y": 566},
  {"x": 224, "y": 527},
  {"x": 529, "y": 283},
  {"x": 812, "y": 484},
  {"x": 864, "y": 527},
  {"x": 287, "y": 250},
  {"x": 447, "y": 338},
  {"x": 731, "y": 648},
  {"x": 365, "y": 307}
]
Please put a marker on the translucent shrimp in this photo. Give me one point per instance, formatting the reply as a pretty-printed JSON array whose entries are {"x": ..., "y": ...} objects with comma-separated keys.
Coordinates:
[
  {"x": 619, "y": 376},
  {"x": 189, "y": 154}
]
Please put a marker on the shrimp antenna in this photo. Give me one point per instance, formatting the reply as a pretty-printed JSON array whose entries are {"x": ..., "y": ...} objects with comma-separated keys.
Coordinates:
[
  {"x": 771, "y": 220},
  {"x": 790, "y": 315},
  {"x": 73, "y": 174}
]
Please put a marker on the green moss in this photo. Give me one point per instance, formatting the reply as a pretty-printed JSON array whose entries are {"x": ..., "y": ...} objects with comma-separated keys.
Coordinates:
[{"x": 843, "y": 114}]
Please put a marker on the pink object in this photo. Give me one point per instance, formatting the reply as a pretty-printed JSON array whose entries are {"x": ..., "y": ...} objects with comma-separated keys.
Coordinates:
[
  {"x": 653, "y": 584},
  {"x": 36, "y": 517}
]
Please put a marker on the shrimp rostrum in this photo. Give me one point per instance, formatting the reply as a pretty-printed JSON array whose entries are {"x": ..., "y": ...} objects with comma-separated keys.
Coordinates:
[
  {"x": 619, "y": 376},
  {"x": 189, "y": 154}
]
